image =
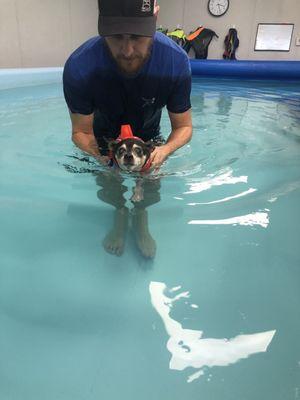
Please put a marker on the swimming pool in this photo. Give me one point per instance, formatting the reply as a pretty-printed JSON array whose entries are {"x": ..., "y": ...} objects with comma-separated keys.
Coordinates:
[{"x": 215, "y": 315}]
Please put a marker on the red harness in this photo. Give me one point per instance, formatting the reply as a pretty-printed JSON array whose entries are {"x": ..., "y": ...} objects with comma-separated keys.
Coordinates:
[{"x": 126, "y": 133}]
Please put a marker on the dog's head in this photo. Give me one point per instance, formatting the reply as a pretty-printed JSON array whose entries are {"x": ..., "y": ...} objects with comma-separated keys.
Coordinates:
[{"x": 131, "y": 154}]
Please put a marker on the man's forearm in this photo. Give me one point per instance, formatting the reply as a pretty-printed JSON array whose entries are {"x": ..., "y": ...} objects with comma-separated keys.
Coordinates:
[
  {"x": 178, "y": 138},
  {"x": 87, "y": 143}
]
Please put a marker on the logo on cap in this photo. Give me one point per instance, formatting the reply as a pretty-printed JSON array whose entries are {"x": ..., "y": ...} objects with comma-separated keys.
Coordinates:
[{"x": 146, "y": 6}]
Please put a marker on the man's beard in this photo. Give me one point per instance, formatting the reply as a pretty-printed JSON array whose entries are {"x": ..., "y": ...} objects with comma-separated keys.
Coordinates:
[{"x": 138, "y": 61}]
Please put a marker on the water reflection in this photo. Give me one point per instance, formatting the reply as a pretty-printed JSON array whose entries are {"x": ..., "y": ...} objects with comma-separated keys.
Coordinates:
[
  {"x": 223, "y": 177},
  {"x": 113, "y": 187},
  {"x": 189, "y": 349},
  {"x": 224, "y": 104},
  {"x": 256, "y": 218},
  {"x": 145, "y": 193},
  {"x": 198, "y": 103},
  {"x": 245, "y": 193}
]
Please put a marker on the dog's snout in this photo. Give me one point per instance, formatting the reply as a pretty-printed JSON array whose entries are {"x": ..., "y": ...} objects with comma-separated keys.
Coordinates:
[
  {"x": 131, "y": 154},
  {"x": 128, "y": 156}
]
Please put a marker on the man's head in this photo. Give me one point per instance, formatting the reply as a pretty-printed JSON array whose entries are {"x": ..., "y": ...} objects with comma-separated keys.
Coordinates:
[{"x": 128, "y": 27}]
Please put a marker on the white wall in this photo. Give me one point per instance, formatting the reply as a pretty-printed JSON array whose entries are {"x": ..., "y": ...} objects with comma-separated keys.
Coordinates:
[
  {"x": 244, "y": 14},
  {"x": 39, "y": 33}
]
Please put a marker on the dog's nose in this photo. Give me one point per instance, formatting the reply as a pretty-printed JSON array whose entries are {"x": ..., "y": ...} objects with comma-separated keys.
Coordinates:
[{"x": 128, "y": 158}]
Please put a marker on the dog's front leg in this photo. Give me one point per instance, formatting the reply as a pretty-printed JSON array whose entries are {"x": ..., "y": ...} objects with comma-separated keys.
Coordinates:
[{"x": 138, "y": 191}]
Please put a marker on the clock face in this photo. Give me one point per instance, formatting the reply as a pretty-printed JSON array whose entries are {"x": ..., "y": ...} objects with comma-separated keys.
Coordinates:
[{"x": 218, "y": 7}]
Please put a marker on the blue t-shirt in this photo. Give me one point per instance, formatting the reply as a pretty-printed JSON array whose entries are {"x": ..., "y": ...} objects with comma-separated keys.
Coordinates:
[{"x": 93, "y": 84}]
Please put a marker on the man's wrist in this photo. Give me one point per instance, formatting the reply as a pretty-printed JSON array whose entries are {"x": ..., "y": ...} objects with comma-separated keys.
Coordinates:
[
  {"x": 178, "y": 138},
  {"x": 169, "y": 148},
  {"x": 87, "y": 143}
]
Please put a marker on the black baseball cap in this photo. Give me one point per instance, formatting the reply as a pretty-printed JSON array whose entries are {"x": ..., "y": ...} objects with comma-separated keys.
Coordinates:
[{"x": 132, "y": 17}]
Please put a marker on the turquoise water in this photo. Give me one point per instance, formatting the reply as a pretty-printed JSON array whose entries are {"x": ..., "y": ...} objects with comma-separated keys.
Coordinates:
[{"x": 214, "y": 316}]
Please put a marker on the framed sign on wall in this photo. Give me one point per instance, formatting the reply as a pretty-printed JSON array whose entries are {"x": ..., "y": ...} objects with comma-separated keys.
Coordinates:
[{"x": 273, "y": 37}]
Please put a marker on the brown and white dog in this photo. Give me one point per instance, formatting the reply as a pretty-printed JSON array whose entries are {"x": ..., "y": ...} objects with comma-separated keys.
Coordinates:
[{"x": 131, "y": 154}]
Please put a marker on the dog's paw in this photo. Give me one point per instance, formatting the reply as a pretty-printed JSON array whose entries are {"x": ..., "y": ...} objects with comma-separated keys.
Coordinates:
[
  {"x": 136, "y": 198},
  {"x": 138, "y": 194}
]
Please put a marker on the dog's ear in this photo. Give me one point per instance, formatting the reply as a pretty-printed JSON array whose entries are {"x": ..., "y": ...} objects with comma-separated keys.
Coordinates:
[
  {"x": 111, "y": 143},
  {"x": 150, "y": 145}
]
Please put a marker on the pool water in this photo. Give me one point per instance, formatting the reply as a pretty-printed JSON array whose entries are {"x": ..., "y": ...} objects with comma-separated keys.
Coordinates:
[{"x": 214, "y": 316}]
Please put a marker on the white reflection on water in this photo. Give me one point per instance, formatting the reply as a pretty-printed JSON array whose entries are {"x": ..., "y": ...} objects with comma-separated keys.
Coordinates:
[
  {"x": 187, "y": 347},
  {"x": 251, "y": 190},
  {"x": 256, "y": 218},
  {"x": 225, "y": 178}
]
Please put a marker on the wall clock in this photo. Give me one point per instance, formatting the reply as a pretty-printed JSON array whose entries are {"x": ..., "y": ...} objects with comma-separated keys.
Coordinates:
[{"x": 217, "y": 8}]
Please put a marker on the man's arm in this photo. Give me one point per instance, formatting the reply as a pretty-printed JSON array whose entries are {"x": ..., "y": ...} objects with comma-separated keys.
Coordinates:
[
  {"x": 182, "y": 130},
  {"x": 181, "y": 134},
  {"x": 83, "y": 135}
]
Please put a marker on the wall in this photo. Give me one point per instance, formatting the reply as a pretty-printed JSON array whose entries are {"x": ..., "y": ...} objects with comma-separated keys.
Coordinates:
[
  {"x": 244, "y": 14},
  {"x": 38, "y": 33}
]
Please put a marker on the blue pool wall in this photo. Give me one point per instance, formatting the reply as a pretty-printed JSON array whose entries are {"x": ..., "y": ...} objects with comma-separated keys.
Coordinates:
[{"x": 276, "y": 70}]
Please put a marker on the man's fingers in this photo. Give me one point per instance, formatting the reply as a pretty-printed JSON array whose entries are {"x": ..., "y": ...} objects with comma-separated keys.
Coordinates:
[
  {"x": 155, "y": 166},
  {"x": 103, "y": 159},
  {"x": 153, "y": 155},
  {"x": 154, "y": 162},
  {"x": 157, "y": 159}
]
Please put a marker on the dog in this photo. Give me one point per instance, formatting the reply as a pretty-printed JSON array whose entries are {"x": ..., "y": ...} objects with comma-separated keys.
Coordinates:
[{"x": 131, "y": 154}]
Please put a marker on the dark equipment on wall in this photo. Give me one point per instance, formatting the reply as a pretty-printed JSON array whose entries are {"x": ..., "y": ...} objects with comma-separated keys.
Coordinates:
[
  {"x": 231, "y": 44},
  {"x": 199, "y": 40}
]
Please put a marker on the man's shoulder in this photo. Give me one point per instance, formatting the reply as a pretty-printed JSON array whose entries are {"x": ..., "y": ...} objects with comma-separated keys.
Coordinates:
[
  {"x": 91, "y": 47},
  {"x": 168, "y": 46},
  {"x": 169, "y": 59},
  {"x": 86, "y": 58}
]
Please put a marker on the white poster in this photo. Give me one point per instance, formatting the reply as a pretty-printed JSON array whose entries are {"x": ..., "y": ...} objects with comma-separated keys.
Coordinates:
[{"x": 275, "y": 37}]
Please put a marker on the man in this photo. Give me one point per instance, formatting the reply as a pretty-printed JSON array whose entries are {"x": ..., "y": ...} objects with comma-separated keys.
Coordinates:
[{"x": 126, "y": 76}]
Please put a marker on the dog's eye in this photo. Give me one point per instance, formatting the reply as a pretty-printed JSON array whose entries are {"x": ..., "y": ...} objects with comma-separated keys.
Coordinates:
[
  {"x": 121, "y": 151},
  {"x": 138, "y": 151}
]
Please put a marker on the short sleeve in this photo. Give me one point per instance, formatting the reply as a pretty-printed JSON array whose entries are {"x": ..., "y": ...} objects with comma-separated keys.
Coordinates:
[
  {"x": 179, "y": 100},
  {"x": 76, "y": 91}
]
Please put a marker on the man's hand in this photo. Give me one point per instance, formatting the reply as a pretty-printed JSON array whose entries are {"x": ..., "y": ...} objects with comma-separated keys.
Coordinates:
[
  {"x": 158, "y": 157},
  {"x": 84, "y": 138},
  {"x": 181, "y": 134},
  {"x": 104, "y": 160}
]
